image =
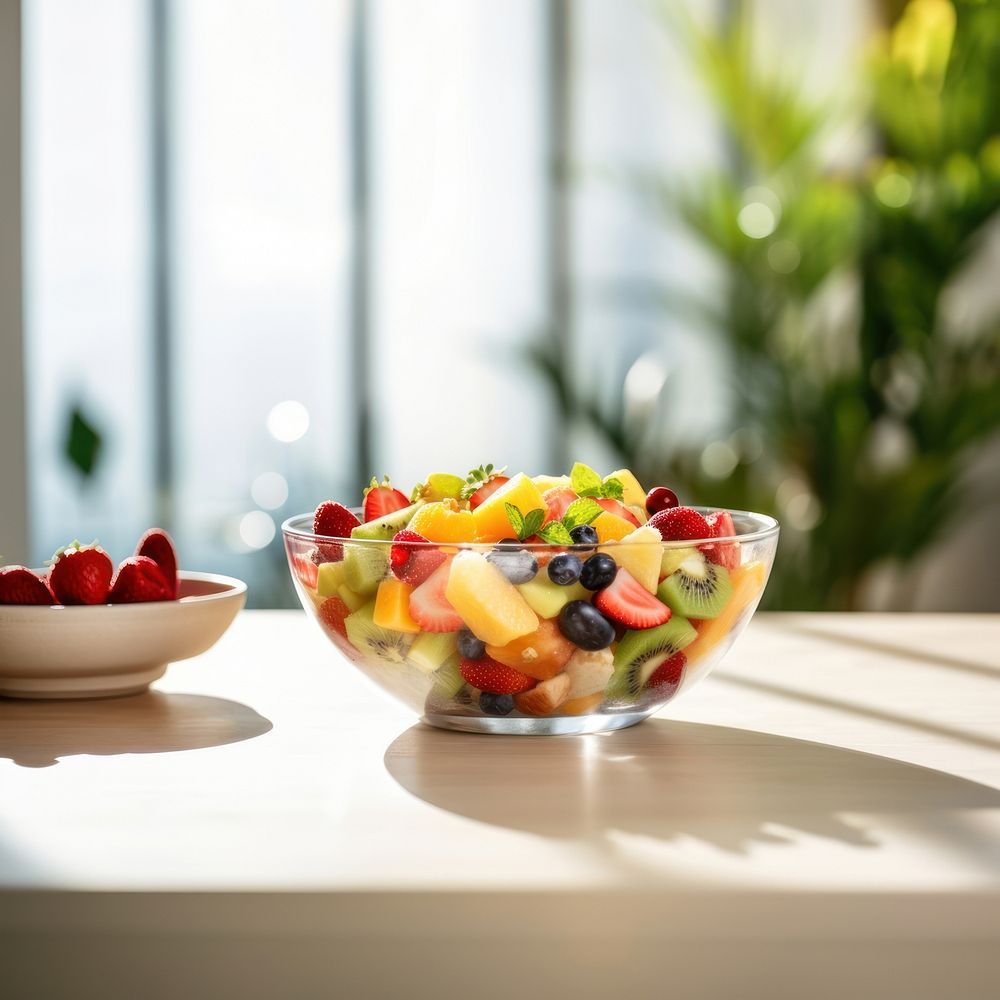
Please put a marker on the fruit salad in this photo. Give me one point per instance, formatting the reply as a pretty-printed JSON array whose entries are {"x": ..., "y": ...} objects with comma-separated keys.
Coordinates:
[
  {"x": 495, "y": 596},
  {"x": 85, "y": 574}
]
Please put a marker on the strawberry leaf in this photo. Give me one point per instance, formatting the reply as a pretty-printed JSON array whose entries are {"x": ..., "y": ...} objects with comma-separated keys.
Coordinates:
[
  {"x": 581, "y": 511},
  {"x": 585, "y": 482},
  {"x": 556, "y": 533}
]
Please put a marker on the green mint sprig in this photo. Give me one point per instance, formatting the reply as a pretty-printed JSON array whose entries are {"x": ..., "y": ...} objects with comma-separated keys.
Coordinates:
[
  {"x": 587, "y": 483},
  {"x": 581, "y": 511}
]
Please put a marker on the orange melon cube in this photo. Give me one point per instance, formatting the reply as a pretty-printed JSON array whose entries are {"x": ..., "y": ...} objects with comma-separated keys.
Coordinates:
[
  {"x": 611, "y": 527},
  {"x": 583, "y": 705},
  {"x": 490, "y": 517},
  {"x": 540, "y": 654},
  {"x": 443, "y": 521},
  {"x": 489, "y": 604},
  {"x": 392, "y": 607},
  {"x": 748, "y": 581}
]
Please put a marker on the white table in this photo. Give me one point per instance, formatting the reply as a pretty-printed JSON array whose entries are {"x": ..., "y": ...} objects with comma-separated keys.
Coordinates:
[{"x": 819, "y": 818}]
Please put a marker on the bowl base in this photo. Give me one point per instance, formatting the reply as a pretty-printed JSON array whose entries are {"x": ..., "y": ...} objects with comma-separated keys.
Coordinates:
[
  {"x": 565, "y": 725},
  {"x": 86, "y": 686}
]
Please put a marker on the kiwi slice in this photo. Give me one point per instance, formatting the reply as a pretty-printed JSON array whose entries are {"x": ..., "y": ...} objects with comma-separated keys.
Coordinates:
[
  {"x": 641, "y": 651},
  {"x": 431, "y": 649},
  {"x": 365, "y": 566},
  {"x": 448, "y": 680},
  {"x": 374, "y": 640},
  {"x": 672, "y": 558},
  {"x": 697, "y": 588}
]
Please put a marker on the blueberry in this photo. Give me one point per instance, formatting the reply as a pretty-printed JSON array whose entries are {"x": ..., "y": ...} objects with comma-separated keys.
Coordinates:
[
  {"x": 518, "y": 565},
  {"x": 585, "y": 626},
  {"x": 469, "y": 646},
  {"x": 584, "y": 534},
  {"x": 564, "y": 569},
  {"x": 598, "y": 572},
  {"x": 496, "y": 704}
]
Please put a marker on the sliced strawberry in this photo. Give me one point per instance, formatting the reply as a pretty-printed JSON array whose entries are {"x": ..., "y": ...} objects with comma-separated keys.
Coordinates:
[
  {"x": 557, "y": 501},
  {"x": 139, "y": 580},
  {"x": 619, "y": 510},
  {"x": 668, "y": 672},
  {"x": 725, "y": 553},
  {"x": 336, "y": 521},
  {"x": 487, "y": 490},
  {"x": 81, "y": 574},
  {"x": 413, "y": 564},
  {"x": 382, "y": 499},
  {"x": 677, "y": 523},
  {"x": 158, "y": 546},
  {"x": 306, "y": 570},
  {"x": 497, "y": 678},
  {"x": 430, "y": 609},
  {"x": 627, "y": 602},
  {"x": 19, "y": 585},
  {"x": 332, "y": 613}
]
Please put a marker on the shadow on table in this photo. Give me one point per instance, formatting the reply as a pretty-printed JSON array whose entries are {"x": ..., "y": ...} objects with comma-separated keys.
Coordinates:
[
  {"x": 731, "y": 788},
  {"x": 38, "y": 733}
]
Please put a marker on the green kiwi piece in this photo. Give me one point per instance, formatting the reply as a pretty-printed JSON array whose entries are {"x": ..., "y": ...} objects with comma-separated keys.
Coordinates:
[
  {"x": 431, "y": 650},
  {"x": 697, "y": 588},
  {"x": 448, "y": 680},
  {"x": 373, "y": 640},
  {"x": 641, "y": 651},
  {"x": 365, "y": 566}
]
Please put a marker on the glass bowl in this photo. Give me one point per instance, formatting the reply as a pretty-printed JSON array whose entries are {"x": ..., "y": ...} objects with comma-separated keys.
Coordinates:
[{"x": 489, "y": 615}]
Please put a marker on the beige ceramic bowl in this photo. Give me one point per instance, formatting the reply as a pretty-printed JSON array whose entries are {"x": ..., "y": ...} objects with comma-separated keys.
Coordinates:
[{"x": 102, "y": 650}]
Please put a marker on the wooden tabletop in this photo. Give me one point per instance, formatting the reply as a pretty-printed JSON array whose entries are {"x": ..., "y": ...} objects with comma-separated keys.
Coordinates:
[{"x": 822, "y": 813}]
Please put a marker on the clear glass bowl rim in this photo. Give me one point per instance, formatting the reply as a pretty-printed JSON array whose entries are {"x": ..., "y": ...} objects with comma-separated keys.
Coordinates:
[{"x": 765, "y": 527}]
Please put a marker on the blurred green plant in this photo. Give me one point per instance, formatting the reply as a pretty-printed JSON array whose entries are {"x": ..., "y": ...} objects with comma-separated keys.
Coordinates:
[{"x": 859, "y": 385}]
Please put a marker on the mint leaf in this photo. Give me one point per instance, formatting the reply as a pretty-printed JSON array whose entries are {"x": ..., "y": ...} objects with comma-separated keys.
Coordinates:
[
  {"x": 613, "y": 488},
  {"x": 556, "y": 533},
  {"x": 581, "y": 511},
  {"x": 516, "y": 519},
  {"x": 585, "y": 482},
  {"x": 533, "y": 521}
]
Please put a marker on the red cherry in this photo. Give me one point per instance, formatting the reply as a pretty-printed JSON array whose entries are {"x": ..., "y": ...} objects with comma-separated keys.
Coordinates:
[{"x": 660, "y": 498}]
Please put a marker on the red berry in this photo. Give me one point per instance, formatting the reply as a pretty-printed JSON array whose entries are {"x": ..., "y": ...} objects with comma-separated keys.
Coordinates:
[
  {"x": 680, "y": 523},
  {"x": 618, "y": 509},
  {"x": 332, "y": 613},
  {"x": 158, "y": 546},
  {"x": 557, "y": 500},
  {"x": 668, "y": 673},
  {"x": 139, "y": 580},
  {"x": 335, "y": 521},
  {"x": 430, "y": 609},
  {"x": 413, "y": 564},
  {"x": 627, "y": 602},
  {"x": 497, "y": 678},
  {"x": 725, "y": 553},
  {"x": 487, "y": 490},
  {"x": 81, "y": 574},
  {"x": 660, "y": 498},
  {"x": 381, "y": 500},
  {"x": 19, "y": 585}
]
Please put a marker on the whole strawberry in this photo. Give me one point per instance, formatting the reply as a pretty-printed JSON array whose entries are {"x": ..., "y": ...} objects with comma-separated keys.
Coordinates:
[
  {"x": 19, "y": 585},
  {"x": 680, "y": 523},
  {"x": 81, "y": 574},
  {"x": 138, "y": 580},
  {"x": 157, "y": 545},
  {"x": 336, "y": 521}
]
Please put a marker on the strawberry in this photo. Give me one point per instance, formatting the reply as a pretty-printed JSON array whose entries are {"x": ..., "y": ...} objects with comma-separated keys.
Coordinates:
[
  {"x": 413, "y": 563},
  {"x": 19, "y": 585},
  {"x": 627, "y": 602},
  {"x": 139, "y": 580},
  {"x": 332, "y": 613},
  {"x": 157, "y": 545},
  {"x": 497, "y": 678},
  {"x": 676, "y": 523},
  {"x": 557, "y": 501},
  {"x": 487, "y": 490},
  {"x": 382, "y": 499},
  {"x": 726, "y": 553},
  {"x": 335, "y": 521},
  {"x": 668, "y": 672},
  {"x": 430, "y": 609},
  {"x": 81, "y": 574},
  {"x": 618, "y": 509},
  {"x": 307, "y": 570}
]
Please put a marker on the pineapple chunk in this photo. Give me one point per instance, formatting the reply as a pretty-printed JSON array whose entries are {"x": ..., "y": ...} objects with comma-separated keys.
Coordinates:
[
  {"x": 487, "y": 601},
  {"x": 552, "y": 482},
  {"x": 634, "y": 493},
  {"x": 490, "y": 517},
  {"x": 640, "y": 553}
]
